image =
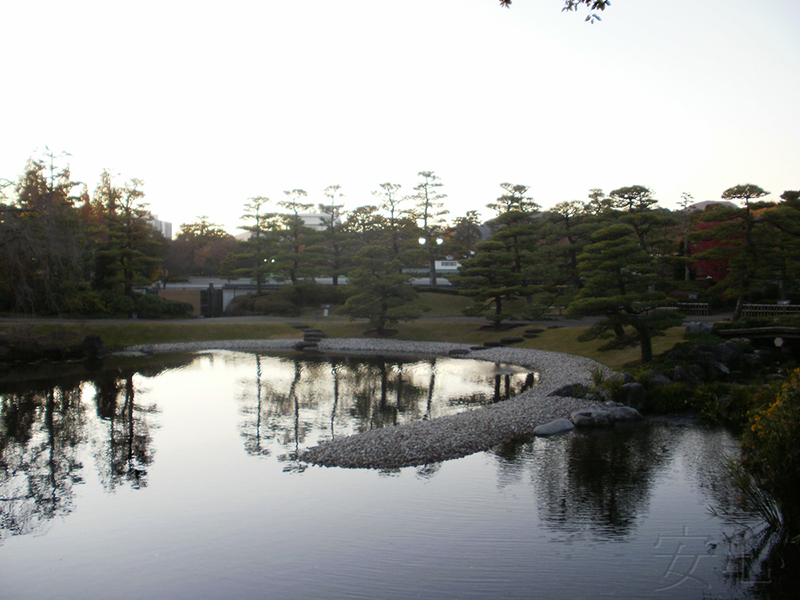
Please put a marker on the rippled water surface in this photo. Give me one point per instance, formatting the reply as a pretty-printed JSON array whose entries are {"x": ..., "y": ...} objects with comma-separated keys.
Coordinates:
[{"x": 177, "y": 479}]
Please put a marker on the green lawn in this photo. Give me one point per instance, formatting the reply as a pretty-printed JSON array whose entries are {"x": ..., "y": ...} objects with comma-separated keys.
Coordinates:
[{"x": 125, "y": 333}]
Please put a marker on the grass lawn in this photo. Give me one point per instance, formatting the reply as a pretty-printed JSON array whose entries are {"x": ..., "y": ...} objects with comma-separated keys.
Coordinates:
[{"x": 119, "y": 334}]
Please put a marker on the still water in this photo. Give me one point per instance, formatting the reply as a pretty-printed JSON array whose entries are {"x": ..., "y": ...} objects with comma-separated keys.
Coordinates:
[{"x": 177, "y": 478}]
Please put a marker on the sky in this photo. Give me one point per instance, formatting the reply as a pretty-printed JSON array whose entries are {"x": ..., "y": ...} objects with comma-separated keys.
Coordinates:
[{"x": 213, "y": 103}]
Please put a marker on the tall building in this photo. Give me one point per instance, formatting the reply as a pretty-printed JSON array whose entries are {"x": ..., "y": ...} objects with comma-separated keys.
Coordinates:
[{"x": 163, "y": 226}]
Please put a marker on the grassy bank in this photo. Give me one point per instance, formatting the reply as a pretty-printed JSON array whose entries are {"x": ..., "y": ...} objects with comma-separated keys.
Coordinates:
[{"x": 119, "y": 334}]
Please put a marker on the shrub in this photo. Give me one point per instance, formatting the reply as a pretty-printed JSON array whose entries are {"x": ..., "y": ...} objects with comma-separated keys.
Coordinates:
[
  {"x": 770, "y": 451},
  {"x": 274, "y": 305},
  {"x": 123, "y": 305},
  {"x": 311, "y": 293},
  {"x": 241, "y": 306},
  {"x": 86, "y": 303},
  {"x": 151, "y": 306},
  {"x": 670, "y": 399},
  {"x": 286, "y": 301}
]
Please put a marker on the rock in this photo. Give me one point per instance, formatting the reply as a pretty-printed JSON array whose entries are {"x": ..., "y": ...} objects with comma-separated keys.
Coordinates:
[
  {"x": 554, "y": 428},
  {"x": 625, "y": 413},
  {"x": 698, "y": 372},
  {"x": 573, "y": 390},
  {"x": 634, "y": 395},
  {"x": 655, "y": 380},
  {"x": 605, "y": 416},
  {"x": 716, "y": 370},
  {"x": 601, "y": 395},
  {"x": 728, "y": 353},
  {"x": 305, "y": 346},
  {"x": 313, "y": 335},
  {"x": 751, "y": 360},
  {"x": 93, "y": 346},
  {"x": 458, "y": 352},
  {"x": 507, "y": 341},
  {"x": 701, "y": 352},
  {"x": 592, "y": 417},
  {"x": 622, "y": 376},
  {"x": 492, "y": 344},
  {"x": 695, "y": 327}
]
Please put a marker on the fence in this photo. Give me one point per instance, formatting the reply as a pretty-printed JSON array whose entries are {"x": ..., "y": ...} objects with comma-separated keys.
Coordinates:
[
  {"x": 697, "y": 309},
  {"x": 770, "y": 310}
]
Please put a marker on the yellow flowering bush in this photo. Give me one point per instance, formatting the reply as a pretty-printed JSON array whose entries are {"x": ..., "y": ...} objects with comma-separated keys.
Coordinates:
[{"x": 771, "y": 448}]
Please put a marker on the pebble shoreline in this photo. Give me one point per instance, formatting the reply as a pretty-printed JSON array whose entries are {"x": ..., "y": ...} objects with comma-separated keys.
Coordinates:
[{"x": 444, "y": 438}]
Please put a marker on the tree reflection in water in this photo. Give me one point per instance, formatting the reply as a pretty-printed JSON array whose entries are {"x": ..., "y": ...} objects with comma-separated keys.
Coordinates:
[
  {"x": 43, "y": 423},
  {"x": 124, "y": 454},
  {"x": 597, "y": 486},
  {"x": 600, "y": 483},
  {"x": 40, "y": 431},
  {"x": 301, "y": 400}
]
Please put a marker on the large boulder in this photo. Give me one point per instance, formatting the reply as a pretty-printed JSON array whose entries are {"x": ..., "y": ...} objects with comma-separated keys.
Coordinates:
[
  {"x": 751, "y": 360},
  {"x": 573, "y": 390},
  {"x": 655, "y": 380},
  {"x": 728, "y": 353},
  {"x": 554, "y": 428},
  {"x": 93, "y": 346},
  {"x": 622, "y": 376},
  {"x": 592, "y": 417},
  {"x": 604, "y": 416},
  {"x": 716, "y": 370},
  {"x": 599, "y": 395},
  {"x": 695, "y": 327}
]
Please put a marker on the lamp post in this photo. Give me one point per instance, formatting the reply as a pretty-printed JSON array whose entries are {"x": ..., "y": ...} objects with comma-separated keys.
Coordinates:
[{"x": 431, "y": 257}]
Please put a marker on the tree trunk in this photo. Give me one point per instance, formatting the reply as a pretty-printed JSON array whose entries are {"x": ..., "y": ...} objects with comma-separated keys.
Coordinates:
[
  {"x": 645, "y": 343},
  {"x": 380, "y": 322},
  {"x": 737, "y": 313}
]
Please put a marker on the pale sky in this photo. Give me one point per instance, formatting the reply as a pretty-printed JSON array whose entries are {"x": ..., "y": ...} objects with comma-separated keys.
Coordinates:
[{"x": 211, "y": 103}]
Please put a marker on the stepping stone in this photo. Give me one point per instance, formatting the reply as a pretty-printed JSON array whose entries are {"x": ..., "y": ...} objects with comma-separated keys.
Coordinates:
[
  {"x": 305, "y": 345},
  {"x": 457, "y": 352}
]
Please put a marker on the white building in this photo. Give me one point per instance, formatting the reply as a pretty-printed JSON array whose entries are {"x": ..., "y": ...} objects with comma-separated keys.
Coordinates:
[{"x": 163, "y": 226}]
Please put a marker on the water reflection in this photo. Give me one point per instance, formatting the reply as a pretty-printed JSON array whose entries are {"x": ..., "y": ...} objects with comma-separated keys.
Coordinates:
[
  {"x": 600, "y": 485},
  {"x": 43, "y": 423},
  {"x": 40, "y": 431},
  {"x": 601, "y": 482},
  {"x": 123, "y": 451},
  {"x": 178, "y": 437},
  {"x": 293, "y": 401}
]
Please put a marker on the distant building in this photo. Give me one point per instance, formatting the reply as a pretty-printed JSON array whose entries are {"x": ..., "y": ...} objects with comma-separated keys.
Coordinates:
[
  {"x": 164, "y": 227},
  {"x": 316, "y": 221},
  {"x": 706, "y": 204}
]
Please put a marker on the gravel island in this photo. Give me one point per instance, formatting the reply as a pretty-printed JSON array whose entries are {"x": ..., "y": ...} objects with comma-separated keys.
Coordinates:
[{"x": 444, "y": 438}]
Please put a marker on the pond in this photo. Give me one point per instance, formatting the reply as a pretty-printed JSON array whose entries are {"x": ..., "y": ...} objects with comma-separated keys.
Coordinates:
[{"x": 176, "y": 477}]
